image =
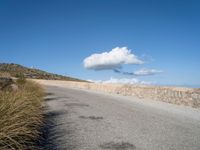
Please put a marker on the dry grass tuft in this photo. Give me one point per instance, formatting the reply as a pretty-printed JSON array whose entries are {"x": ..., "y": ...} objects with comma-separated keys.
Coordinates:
[{"x": 20, "y": 116}]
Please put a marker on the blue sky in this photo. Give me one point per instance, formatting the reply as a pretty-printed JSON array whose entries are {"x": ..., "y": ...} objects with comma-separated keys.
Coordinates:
[{"x": 57, "y": 35}]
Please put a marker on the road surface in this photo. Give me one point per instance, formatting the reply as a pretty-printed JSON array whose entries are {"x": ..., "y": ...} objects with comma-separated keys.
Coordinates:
[{"x": 84, "y": 120}]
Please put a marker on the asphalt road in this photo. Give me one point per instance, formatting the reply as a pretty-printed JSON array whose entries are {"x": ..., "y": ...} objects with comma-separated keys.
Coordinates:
[{"x": 81, "y": 120}]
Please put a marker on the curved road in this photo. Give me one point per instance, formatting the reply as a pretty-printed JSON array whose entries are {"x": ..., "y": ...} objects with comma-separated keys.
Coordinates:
[{"x": 83, "y": 120}]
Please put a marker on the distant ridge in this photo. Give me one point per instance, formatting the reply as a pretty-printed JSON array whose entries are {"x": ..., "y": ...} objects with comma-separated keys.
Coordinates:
[{"x": 16, "y": 70}]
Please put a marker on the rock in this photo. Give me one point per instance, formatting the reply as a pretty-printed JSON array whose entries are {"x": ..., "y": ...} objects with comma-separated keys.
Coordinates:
[{"x": 5, "y": 82}]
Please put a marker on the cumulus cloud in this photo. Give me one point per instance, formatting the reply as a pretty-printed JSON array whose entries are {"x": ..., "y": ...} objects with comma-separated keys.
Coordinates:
[
  {"x": 141, "y": 72},
  {"x": 122, "y": 81},
  {"x": 112, "y": 59}
]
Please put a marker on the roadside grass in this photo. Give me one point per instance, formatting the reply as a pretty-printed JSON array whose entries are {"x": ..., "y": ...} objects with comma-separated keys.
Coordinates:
[{"x": 20, "y": 116}]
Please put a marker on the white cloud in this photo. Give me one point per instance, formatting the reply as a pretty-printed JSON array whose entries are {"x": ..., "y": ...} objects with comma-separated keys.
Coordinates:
[
  {"x": 146, "y": 72},
  {"x": 122, "y": 81},
  {"x": 112, "y": 59}
]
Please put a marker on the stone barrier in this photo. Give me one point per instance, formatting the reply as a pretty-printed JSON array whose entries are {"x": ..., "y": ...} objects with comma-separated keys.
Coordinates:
[{"x": 174, "y": 95}]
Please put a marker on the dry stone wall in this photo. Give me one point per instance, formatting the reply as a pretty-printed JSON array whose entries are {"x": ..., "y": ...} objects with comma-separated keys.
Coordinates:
[{"x": 175, "y": 95}]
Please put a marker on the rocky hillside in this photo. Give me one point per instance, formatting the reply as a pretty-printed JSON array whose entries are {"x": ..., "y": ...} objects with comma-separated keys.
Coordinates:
[{"x": 16, "y": 70}]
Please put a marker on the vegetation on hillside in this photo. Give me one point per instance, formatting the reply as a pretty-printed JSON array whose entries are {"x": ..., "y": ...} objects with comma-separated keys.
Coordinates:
[
  {"x": 20, "y": 115},
  {"x": 16, "y": 70}
]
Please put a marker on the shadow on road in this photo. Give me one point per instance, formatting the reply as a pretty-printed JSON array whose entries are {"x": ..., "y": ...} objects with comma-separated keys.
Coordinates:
[
  {"x": 56, "y": 134},
  {"x": 49, "y": 134}
]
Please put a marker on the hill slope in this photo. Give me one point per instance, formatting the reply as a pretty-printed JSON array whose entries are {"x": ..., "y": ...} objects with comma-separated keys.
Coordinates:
[{"x": 16, "y": 70}]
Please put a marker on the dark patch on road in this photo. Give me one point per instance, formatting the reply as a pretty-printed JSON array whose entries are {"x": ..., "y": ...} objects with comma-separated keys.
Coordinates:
[
  {"x": 49, "y": 94},
  {"x": 118, "y": 146},
  {"x": 55, "y": 98},
  {"x": 56, "y": 113},
  {"x": 49, "y": 99},
  {"x": 91, "y": 117},
  {"x": 76, "y": 105}
]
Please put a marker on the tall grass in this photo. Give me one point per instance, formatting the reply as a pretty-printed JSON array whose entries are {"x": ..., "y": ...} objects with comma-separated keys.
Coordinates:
[{"x": 20, "y": 116}]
